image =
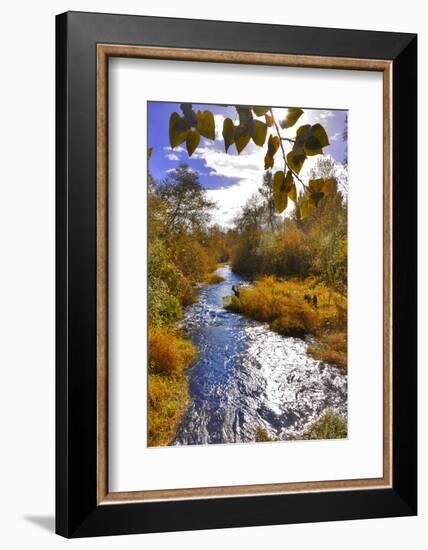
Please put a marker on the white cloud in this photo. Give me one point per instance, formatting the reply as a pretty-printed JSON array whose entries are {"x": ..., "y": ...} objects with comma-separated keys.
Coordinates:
[
  {"x": 178, "y": 149},
  {"x": 189, "y": 169},
  {"x": 248, "y": 169},
  {"x": 172, "y": 156},
  {"x": 219, "y": 119},
  {"x": 335, "y": 136},
  {"x": 326, "y": 114}
]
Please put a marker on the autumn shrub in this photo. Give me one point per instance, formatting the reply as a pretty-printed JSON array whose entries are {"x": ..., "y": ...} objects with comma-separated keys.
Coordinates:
[
  {"x": 164, "y": 309},
  {"x": 168, "y": 398},
  {"x": 213, "y": 279},
  {"x": 192, "y": 259},
  {"x": 297, "y": 320},
  {"x": 169, "y": 353},
  {"x": 282, "y": 304},
  {"x": 287, "y": 253},
  {"x": 330, "y": 426},
  {"x": 331, "y": 348},
  {"x": 279, "y": 303},
  {"x": 291, "y": 254},
  {"x": 164, "y": 286},
  {"x": 262, "y": 435},
  {"x": 168, "y": 395}
]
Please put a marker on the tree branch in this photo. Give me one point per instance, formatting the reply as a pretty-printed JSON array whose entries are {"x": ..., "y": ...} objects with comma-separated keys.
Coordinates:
[{"x": 281, "y": 139}]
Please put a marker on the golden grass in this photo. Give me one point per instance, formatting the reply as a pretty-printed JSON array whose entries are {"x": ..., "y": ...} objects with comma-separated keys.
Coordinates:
[
  {"x": 330, "y": 426},
  {"x": 331, "y": 348},
  {"x": 262, "y": 435},
  {"x": 168, "y": 394},
  {"x": 168, "y": 400},
  {"x": 169, "y": 353},
  {"x": 213, "y": 279},
  {"x": 282, "y": 304}
]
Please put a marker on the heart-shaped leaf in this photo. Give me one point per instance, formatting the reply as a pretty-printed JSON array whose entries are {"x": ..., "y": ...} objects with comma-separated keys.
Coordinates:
[
  {"x": 316, "y": 185},
  {"x": 280, "y": 197},
  {"x": 295, "y": 160},
  {"x": 330, "y": 184},
  {"x": 260, "y": 111},
  {"x": 312, "y": 146},
  {"x": 242, "y": 142},
  {"x": 290, "y": 187},
  {"x": 320, "y": 134},
  {"x": 192, "y": 141},
  {"x": 228, "y": 133},
  {"x": 205, "y": 124},
  {"x": 268, "y": 161},
  {"x": 316, "y": 197},
  {"x": 259, "y": 132},
  {"x": 178, "y": 129},
  {"x": 292, "y": 194},
  {"x": 273, "y": 144},
  {"x": 292, "y": 117}
]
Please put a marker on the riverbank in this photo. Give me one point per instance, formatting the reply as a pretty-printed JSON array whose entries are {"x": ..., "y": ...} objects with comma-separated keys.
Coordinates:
[
  {"x": 299, "y": 308},
  {"x": 168, "y": 386},
  {"x": 247, "y": 376}
]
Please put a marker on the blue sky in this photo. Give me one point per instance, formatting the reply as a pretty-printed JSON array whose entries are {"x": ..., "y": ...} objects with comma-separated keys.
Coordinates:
[{"x": 230, "y": 178}]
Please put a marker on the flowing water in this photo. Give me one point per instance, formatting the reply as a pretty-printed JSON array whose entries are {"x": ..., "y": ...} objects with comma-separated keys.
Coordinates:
[{"x": 247, "y": 376}]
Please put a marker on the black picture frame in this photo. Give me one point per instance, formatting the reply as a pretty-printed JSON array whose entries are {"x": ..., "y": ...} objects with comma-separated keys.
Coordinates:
[{"x": 77, "y": 511}]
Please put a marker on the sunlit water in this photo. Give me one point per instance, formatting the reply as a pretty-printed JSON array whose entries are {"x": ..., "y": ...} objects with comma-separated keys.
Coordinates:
[{"x": 247, "y": 376}]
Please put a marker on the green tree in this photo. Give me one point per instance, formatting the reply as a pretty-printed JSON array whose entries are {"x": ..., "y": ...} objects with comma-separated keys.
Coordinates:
[
  {"x": 185, "y": 201},
  {"x": 266, "y": 191}
]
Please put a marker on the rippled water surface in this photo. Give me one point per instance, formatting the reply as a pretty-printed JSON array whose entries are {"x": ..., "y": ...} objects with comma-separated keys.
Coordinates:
[{"x": 247, "y": 376}]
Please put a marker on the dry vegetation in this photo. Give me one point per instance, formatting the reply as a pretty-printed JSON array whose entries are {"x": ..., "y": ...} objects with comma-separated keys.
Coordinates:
[
  {"x": 330, "y": 426},
  {"x": 213, "y": 279},
  {"x": 169, "y": 355},
  {"x": 282, "y": 304},
  {"x": 183, "y": 251}
]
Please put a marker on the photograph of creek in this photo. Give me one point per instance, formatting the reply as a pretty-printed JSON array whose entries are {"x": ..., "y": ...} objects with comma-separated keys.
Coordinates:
[{"x": 247, "y": 274}]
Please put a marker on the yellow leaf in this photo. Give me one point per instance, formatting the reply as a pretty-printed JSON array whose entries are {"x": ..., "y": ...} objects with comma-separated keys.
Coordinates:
[
  {"x": 228, "y": 133},
  {"x": 241, "y": 138},
  {"x": 177, "y": 130},
  {"x": 205, "y": 124},
  {"x": 268, "y": 161},
  {"x": 260, "y": 111},
  {"x": 292, "y": 117},
  {"x": 290, "y": 186},
  {"x": 259, "y": 132},
  {"x": 295, "y": 160},
  {"x": 280, "y": 197},
  {"x": 192, "y": 141}
]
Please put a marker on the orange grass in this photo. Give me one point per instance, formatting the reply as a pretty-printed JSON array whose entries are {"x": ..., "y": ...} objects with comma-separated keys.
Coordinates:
[
  {"x": 282, "y": 304},
  {"x": 169, "y": 353},
  {"x": 168, "y": 394},
  {"x": 213, "y": 279}
]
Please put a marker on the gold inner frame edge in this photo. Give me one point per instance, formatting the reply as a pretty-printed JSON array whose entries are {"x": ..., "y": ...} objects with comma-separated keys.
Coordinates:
[{"x": 104, "y": 51}]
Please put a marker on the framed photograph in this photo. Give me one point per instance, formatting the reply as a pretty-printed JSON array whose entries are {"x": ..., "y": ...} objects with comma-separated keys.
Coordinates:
[{"x": 236, "y": 274}]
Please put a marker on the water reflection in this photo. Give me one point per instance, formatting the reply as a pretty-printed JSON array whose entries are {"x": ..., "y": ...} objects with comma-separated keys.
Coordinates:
[{"x": 247, "y": 376}]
